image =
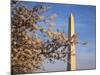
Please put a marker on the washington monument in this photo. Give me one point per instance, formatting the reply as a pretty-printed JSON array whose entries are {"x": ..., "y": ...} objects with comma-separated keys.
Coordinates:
[{"x": 71, "y": 64}]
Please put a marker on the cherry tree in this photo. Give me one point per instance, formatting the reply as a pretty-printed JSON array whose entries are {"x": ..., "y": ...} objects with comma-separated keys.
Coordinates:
[{"x": 29, "y": 51}]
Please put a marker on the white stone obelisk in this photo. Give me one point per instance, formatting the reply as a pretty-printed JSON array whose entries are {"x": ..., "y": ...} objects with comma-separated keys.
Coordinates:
[{"x": 71, "y": 64}]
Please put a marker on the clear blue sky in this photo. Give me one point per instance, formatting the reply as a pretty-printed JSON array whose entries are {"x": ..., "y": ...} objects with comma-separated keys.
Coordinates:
[{"x": 85, "y": 27}]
